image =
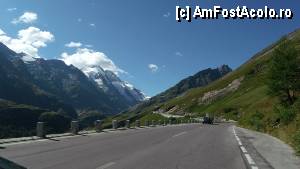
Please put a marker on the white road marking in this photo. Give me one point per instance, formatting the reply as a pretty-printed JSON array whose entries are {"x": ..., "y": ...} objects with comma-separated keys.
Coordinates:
[
  {"x": 249, "y": 159},
  {"x": 179, "y": 134},
  {"x": 106, "y": 165},
  {"x": 243, "y": 149}
]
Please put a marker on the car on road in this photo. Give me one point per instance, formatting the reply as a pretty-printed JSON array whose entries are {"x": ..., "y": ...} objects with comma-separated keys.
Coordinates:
[{"x": 208, "y": 120}]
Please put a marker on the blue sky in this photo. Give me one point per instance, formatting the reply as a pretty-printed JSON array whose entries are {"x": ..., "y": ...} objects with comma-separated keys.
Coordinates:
[{"x": 136, "y": 33}]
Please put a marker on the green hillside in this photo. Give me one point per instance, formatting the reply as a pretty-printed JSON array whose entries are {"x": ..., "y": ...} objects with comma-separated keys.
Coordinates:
[
  {"x": 251, "y": 104},
  {"x": 242, "y": 95}
]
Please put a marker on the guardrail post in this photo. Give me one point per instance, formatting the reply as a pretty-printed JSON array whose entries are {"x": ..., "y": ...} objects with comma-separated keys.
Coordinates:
[
  {"x": 74, "y": 127},
  {"x": 159, "y": 123},
  {"x": 137, "y": 124},
  {"x": 127, "y": 124},
  {"x": 153, "y": 123},
  {"x": 98, "y": 125},
  {"x": 146, "y": 123},
  {"x": 40, "y": 129},
  {"x": 115, "y": 124}
]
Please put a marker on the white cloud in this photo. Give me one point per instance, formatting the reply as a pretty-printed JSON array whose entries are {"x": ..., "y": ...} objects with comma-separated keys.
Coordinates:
[
  {"x": 2, "y": 32},
  {"x": 84, "y": 58},
  {"x": 28, "y": 41},
  {"x": 79, "y": 20},
  {"x": 92, "y": 24},
  {"x": 166, "y": 15},
  {"x": 153, "y": 68},
  {"x": 178, "y": 54},
  {"x": 11, "y": 9},
  {"x": 73, "y": 44},
  {"x": 27, "y": 17},
  {"x": 88, "y": 46}
]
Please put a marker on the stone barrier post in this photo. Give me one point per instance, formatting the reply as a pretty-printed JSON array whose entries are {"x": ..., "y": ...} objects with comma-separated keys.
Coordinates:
[
  {"x": 127, "y": 124},
  {"x": 146, "y": 123},
  {"x": 74, "y": 127},
  {"x": 115, "y": 124},
  {"x": 137, "y": 124},
  {"x": 98, "y": 125},
  {"x": 153, "y": 123},
  {"x": 40, "y": 129}
]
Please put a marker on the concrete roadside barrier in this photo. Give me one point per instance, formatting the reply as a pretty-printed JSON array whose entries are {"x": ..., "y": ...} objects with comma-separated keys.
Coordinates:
[
  {"x": 115, "y": 124},
  {"x": 40, "y": 129},
  {"x": 137, "y": 124},
  {"x": 165, "y": 122},
  {"x": 74, "y": 127},
  {"x": 153, "y": 123},
  {"x": 98, "y": 125},
  {"x": 146, "y": 123},
  {"x": 127, "y": 124},
  {"x": 159, "y": 123}
]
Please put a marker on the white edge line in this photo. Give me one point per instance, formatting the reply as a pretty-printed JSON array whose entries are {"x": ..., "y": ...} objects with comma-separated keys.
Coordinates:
[
  {"x": 243, "y": 149},
  {"x": 249, "y": 159}
]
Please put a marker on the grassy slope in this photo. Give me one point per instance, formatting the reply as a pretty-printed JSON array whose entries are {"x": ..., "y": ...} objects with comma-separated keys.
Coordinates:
[
  {"x": 249, "y": 101},
  {"x": 251, "y": 104}
]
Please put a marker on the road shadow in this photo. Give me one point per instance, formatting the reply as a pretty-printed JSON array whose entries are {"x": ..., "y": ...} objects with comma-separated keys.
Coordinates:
[
  {"x": 52, "y": 139},
  {"x": 214, "y": 124},
  {"x": 123, "y": 129},
  {"x": 2, "y": 148},
  {"x": 85, "y": 135}
]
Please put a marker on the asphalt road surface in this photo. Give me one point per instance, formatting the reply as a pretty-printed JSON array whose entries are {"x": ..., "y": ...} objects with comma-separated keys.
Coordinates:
[{"x": 192, "y": 146}]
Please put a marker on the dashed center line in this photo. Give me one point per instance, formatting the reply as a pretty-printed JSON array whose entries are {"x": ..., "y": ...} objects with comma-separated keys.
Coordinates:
[
  {"x": 179, "y": 134},
  {"x": 106, "y": 165}
]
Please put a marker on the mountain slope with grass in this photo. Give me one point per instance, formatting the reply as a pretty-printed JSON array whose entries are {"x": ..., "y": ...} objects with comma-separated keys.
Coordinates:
[
  {"x": 243, "y": 95},
  {"x": 145, "y": 110}
]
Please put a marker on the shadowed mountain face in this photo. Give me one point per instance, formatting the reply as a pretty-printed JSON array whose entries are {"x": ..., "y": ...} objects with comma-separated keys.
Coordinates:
[
  {"x": 200, "y": 79},
  {"x": 51, "y": 83},
  {"x": 16, "y": 84}
]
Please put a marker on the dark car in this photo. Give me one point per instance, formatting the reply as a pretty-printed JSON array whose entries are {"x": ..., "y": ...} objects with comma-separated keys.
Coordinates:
[{"x": 208, "y": 120}]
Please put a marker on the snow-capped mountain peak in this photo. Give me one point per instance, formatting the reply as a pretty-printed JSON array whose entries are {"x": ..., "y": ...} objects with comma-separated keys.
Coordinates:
[
  {"x": 109, "y": 81},
  {"x": 26, "y": 58}
]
